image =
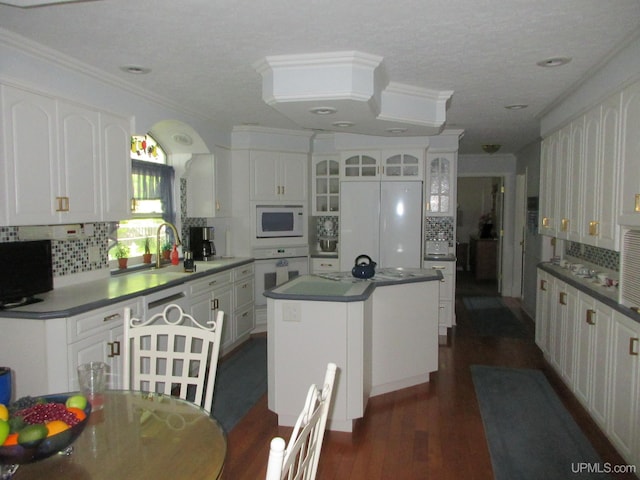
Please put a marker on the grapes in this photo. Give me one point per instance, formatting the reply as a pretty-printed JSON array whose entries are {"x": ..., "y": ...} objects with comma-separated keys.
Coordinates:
[
  {"x": 45, "y": 412},
  {"x": 22, "y": 403}
]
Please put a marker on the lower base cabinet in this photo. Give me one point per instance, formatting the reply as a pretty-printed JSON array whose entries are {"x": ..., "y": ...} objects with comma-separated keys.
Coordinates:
[
  {"x": 45, "y": 354},
  {"x": 596, "y": 351},
  {"x": 446, "y": 309}
]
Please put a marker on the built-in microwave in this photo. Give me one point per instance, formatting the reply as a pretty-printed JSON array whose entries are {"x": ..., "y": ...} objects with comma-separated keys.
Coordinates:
[{"x": 274, "y": 221}]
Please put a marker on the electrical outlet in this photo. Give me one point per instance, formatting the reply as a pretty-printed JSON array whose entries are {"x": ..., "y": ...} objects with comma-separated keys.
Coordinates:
[
  {"x": 291, "y": 312},
  {"x": 94, "y": 254}
]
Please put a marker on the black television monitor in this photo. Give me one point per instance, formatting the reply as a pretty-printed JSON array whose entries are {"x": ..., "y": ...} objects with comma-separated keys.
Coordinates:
[{"x": 25, "y": 270}]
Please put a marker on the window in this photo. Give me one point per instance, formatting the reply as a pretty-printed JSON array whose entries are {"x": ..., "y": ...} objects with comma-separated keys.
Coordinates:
[{"x": 152, "y": 200}]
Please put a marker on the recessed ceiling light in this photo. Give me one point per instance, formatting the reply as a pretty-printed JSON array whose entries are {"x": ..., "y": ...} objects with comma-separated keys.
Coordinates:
[
  {"x": 516, "y": 106},
  {"x": 554, "y": 62},
  {"x": 135, "y": 69},
  {"x": 396, "y": 130},
  {"x": 323, "y": 110},
  {"x": 342, "y": 124}
]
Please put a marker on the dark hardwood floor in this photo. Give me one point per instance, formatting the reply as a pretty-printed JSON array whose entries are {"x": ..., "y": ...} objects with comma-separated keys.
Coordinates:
[{"x": 430, "y": 431}]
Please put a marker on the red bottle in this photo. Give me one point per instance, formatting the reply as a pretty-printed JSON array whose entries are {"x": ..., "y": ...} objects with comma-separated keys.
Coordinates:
[{"x": 175, "y": 258}]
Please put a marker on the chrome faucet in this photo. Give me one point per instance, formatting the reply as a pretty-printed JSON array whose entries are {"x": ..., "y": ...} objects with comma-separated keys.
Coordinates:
[{"x": 175, "y": 232}]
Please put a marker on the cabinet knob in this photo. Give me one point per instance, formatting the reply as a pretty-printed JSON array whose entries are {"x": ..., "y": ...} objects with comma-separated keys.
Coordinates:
[
  {"x": 543, "y": 285},
  {"x": 114, "y": 349},
  {"x": 591, "y": 317},
  {"x": 545, "y": 222},
  {"x": 111, "y": 317},
  {"x": 565, "y": 224},
  {"x": 637, "y": 206},
  {"x": 633, "y": 346},
  {"x": 593, "y": 228}
]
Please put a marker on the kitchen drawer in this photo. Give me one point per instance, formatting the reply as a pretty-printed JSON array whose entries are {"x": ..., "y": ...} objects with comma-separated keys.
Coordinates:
[
  {"x": 211, "y": 282},
  {"x": 244, "y": 271},
  {"x": 244, "y": 321},
  {"x": 447, "y": 268},
  {"x": 445, "y": 314},
  {"x": 243, "y": 292},
  {"x": 102, "y": 319},
  {"x": 319, "y": 265}
]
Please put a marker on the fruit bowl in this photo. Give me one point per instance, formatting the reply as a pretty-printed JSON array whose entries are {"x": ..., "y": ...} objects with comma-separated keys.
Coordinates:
[{"x": 38, "y": 450}]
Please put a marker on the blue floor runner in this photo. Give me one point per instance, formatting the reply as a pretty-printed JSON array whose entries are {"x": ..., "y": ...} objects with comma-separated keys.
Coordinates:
[
  {"x": 240, "y": 382},
  {"x": 531, "y": 435},
  {"x": 490, "y": 317}
]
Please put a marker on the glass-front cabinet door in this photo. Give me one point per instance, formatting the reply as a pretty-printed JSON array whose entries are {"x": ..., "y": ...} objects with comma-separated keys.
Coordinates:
[
  {"x": 440, "y": 184},
  {"x": 404, "y": 165},
  {"x": 326, "y": 185},
  {"x": 360, "y": 166}
]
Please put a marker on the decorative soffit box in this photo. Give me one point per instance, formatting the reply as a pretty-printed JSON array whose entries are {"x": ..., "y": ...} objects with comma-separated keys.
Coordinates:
[{"x": 349, "y": 92}]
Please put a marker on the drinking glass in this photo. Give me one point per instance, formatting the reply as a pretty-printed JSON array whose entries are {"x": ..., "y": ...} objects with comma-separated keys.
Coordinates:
[{"x": 92, "y": 380}]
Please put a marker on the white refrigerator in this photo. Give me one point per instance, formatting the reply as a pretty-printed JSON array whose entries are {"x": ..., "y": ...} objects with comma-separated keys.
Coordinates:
[{"x": 382, "y": 220}]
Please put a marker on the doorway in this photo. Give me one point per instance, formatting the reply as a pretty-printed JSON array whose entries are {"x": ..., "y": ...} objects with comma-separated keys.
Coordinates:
[{"x": 478, "y": 234}]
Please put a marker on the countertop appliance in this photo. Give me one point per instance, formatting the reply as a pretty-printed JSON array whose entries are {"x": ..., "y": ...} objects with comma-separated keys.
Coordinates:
[
  {"x": 27, "y": 270},
  {"x": 201, "y": 243},
  {"x": 382, "y": 220}
]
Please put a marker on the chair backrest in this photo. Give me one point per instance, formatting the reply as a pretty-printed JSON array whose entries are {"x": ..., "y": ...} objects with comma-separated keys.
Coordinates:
[
  {"x": 299, "y": 460},
  {"x": 172, "y": 353}
]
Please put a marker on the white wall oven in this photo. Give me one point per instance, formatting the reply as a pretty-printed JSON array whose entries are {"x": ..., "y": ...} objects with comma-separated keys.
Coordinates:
[{"x": 274, "y": 266}]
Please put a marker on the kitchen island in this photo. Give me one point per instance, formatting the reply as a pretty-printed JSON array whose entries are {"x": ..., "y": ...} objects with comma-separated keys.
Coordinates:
[{"x": 382, "y": 333}]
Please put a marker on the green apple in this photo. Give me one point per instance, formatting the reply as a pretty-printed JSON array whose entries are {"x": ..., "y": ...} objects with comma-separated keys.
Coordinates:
[
  {"x": 4, "y": 431},
  {"x": 76, "y": 401}
]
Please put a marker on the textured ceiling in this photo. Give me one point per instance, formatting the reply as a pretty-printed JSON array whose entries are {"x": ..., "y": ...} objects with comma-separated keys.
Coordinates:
[{"x": 201, "y": 52}]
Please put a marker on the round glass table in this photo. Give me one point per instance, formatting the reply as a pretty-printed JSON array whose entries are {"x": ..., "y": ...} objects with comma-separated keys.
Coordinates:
[{"x": 140, "y": 436}]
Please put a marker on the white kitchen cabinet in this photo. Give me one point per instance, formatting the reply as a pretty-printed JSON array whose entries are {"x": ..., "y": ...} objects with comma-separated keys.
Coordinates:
[
  {"x": 446, "y": 302},
  {"x": 278, "y": 176},
  {"x": 208, "y": 186},
  {"x": 543, "y": 311},
  {"x": 599, "y": 169},
  {"x": 97, "y": 336},
  {"x": 116, "y": 186},
  {"x": 563, "y": 330},
  {"x": 320, "y": 265},
  {"x": 548, "y": 159},
  {"x": 563, "y": 176},
  {"x": 593, "y": 325},
  {"x": 360, "y": 166},
  {"x": 62, "y": 159},
  {"x": 440, "y": 184},
  {"x": 623, "y": 428},
  {"x": 574, "y": 185},
  {"x": 325, "y": 185},
  {"x": 629, "y": 154},
  {"x": 402, "y": 165},
  {"x": 208, "y": 296},
  {"x": 243, "y": 298}
]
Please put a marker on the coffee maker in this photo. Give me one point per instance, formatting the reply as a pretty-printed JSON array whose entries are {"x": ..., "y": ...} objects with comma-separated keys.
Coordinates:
[{"x": 201, "y": 243}]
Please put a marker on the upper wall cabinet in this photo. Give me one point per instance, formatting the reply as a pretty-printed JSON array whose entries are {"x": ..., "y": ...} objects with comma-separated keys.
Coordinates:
[
  {"x": 63, "y": 162},
  {"x": 385, "y": 165},
  {"x": 208, "y": 186},
  {"x": 440, "y": 184},
  {"x": 278, "y": 176},
  {"x": 325, "y": 185},
  {"x": 548, "y": 156},
  {"x": 630, "y": 157}
]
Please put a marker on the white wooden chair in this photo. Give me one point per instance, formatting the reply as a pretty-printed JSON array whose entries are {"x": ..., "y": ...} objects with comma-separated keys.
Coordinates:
[
  {"x": 299, "y": 460},
  {"x": 172, "y": 353}
]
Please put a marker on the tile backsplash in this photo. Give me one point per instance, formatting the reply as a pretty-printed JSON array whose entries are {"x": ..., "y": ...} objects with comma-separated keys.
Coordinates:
[
  {"x": 72, "y": 256},
  {"x": 439, "y": 229},
  {"x": 601, "y": 257}
]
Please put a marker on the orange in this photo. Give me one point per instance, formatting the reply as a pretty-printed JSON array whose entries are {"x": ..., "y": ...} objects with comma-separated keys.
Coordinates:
[
  {"x": 79, "y": 413},
  {"x": 56, "y": 426},
  {"x": 12, "y": 439}
]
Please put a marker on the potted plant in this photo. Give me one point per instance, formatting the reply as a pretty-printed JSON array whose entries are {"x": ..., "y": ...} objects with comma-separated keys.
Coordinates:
[
  {"x": 121, "y": 252},
  {"x": 146, "y": 256},
  {"x": 166, "y": 250}
]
